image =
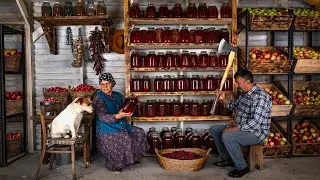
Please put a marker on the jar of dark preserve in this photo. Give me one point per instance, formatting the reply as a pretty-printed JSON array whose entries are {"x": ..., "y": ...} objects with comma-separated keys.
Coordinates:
[
  {"x": 135, "y": 36},
  {"x": 202, "y": 83},
  {"x": 186, "y": 109},
  {"x": 169, "y": 59},
  {"x": 158, "y": 84},
  {"x": 80, "y": 8},
  {"x": 46, "y": 9},
  {"x": 150, "y": 109},
  {"x": 226, "y": 10},
  {"x": 192, "y": 36},
  {"x": 175, "y": 36},
  {"x": 155, "y": 142},
  {"x": 188, "y": 130},
  {"x": 138, "y": 112},
  {"x": 151, "y": 35},
  {"x": 181, "y": 140},
  {"x": 176, "y": 132},
  {"x": 177, "y": 11},
  {"x": 163, "y": 11},
  {"x": 195, "y": 140},
  {"x": 134, "y": 10},
  {"x": 213, "y": 60},
  {"x": 212, "y": 12},
  {"x": 151, "y": 11},
  {"x": 164, "y": 130},
  {"x": 192, "y": 11},
  {"x": 199, "y": 35},
  {"x": 167, "y": 141},
  {"x": 166, "y": 83},
  {"x": 143, "y": 56},
  {"x": 176, "y": 59},
  {"x": 218, "y": 79},
  {"x": 195, "y": 108},
  {"x": 161, "y": 108},
  {"x": 144, "y": 36},
  {"x": 151, "y": 130},
  {"x": 180, "y": 85},
  {"x": 57, "y": 9},
  {"x": 224, "y": 33},
  {"x": 151, "y": 60},
  {"x": 136, "y": 60},
  {"x": 185, "y": 60},
  {"x": 184, "y": 35},
  {"x": 166, "y": 35},
  {"x": 203, "y": 59},
  {"x": 136, "y": 84},
  {"x": 161, "y": 59},
  {"x": 210, "y": 83},
  {"x": 212, "y": 36},
  {"x": 223, "y": 60},
  {"x": 194, "y": 59},
  {"x": 195, "y": 83},
  {"x": 176, "y": 108},
  {"x": 159, "y": 32},
  {"x": 205, "y": 108},
  {"x": 202, "y": 10},
  {"x": 146, "y": 84},
  {"x": 172, "y": 84}
]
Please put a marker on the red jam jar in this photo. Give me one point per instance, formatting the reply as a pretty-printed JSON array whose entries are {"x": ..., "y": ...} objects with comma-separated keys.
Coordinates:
[
  {"x": 151, "y": 35},
  {"x": 136, "y": 60},
  {"x": 175, "y": 36},
  {"x": 169, "y": 59},
  {"x": 223, "y": 60},
  {"x": 213, "y": 60},
  {"x": 195, "y": 140},
  {"x": 228, "y": 84},
  {"x": 192, "y": 36},
  {"x": 150, "y": 109},
  {"x": 177, "y": 11},
  {"x": 218, "y": 79},
  {"x": 212, "y": 36},
  {"x": 210, "y": 83},
  {"x": 203, "y": 59},
  {"x": 163, "y": 11},
  {"x": 192, "y": 11},
  {"x": 166, "y": 35},
  {"x": 151, "y": 11},
  {"x": 202, "y": 10},
  {"x": 199, "y": 35},
  {"x": 158, "y": 84},
  {"x": 184, "y": 35},
  {"x": 161, "y": 59},
  {"x": 143, "y": 56},
  {"x": 151, "y": 130},
  {"x": 167, "y": 141},
  {"x": 224, "y": 33},
  {"x": 151, "y": 60},
  {"x": 146, "y": 84},
  {"x": 136, "y": 84},
  {"x": 180, "y": 84},
  {"x": 159, "y": 32},
  {"x": 161, "y": 108},
  {"x": 164, "y": 130},
  {"x": 195, "y": 83},
  {"x": 205, "y": 108},
  {"x": 172, "y": 84},
  {"x": 181, "y": 140},
  {"x": 202, "y": 83},
  {"x": 194, "y": 59},
  {"x": 135, "y": 36},
  {"x": 185, "y": 59},
  {"x": 129, "y": 104},
  {"x": 176, "y": 59},
  {"x": 138, "y": 112},
  {"x": 186, "y": 108},
  {"x": 134, "y": 10},
  {"x": 155, "y": 142},
  {"x": 194, "y": 108},
  {"x": 176, "y": 108},
  {"x": 226, "y": 10},
  {"x": 212, "y": 12},
  {"x": 143, "y": 34}
]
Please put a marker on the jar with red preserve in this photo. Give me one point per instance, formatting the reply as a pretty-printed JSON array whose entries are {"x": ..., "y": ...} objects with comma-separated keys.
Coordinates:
[
  {"x": 167, "y": 141},
  {"x": 199, "y": 35},
  {"x": 175, "y": 36},
  {"x": 223, "y": 60},
  {"x": 202, "y": 10},
  {"x": 144, "y": 36},
  {"x": 194, "y": 108},
  {"x": 136, "y": 84},
  {"x": 192, "y": 11},
  {"x": 188, "y": 130},
  {"x": 208, "y": 140},
  {"x": 180, "y": 84},
  {"x": 185, "y": 59},
  {"x": 146, "y": 84},
  {"x": 163, "y": 11},
  {"x": 136, "y": 60},
  {"x": 225, "y": 111},
  {"x": 164, "y": 130},
  {"x": 194, "y": 59},
  {"x": 172, "y": 84},
  {"x": 186, "y": 108},
  {"x": 195, "y": 140},
  {"x": 218, "y": 79},
  {"x": 151, "y": 11},
  {"x": 134, "y": 10},
  {"x": 150, "y": 109},
  {"x": 151, "y": 60},
  {"x": 161, "y": 59},
  {"x": 166, "y": 35},
  {"x": 151, "y": 35},
  {"x": 166, "y": 83},
  {"x": 143, "y": 57},
  {"x": 158, "y": 84},
  {"x": 224, "y": 33},
  {"x": 228, "y": 84},
  {"x": 203, "y": 59},
  {"x": 176, "y": 108},
  {"x": 192, "y": 36},
  {"x": 155, "y": 142},
  {"x": 161, "y": 108},
  {"x": 169, "y": 59},
  {"x": 176, "y": 59},
  {"x": 213, "y": 60},
  {"x": 184, "y": 35},
  {"x": 181, "y": 140},
  {"x": 151, "y": 130},
  {"x": 205, "y": 108},
  {"x": 194, "y": 83},
  {"x": 212, "y": 36},
  {"x": 138, "y": 112},
  {"x": 177, "y": 11},
  {"x": 226, "y": 10},
  {"x": 135, "y": 36},
  {"x": 210, "y": 83},
  {"x": 159, "y": 35},
  {"x": 212, "y": 12},
  {"x": 129, "y": 104}
]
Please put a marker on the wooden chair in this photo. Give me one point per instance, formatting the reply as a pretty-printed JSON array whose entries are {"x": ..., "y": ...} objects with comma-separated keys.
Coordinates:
[
  {"x": 49, "y": 145},
  {"x": 255, "y": 157}
]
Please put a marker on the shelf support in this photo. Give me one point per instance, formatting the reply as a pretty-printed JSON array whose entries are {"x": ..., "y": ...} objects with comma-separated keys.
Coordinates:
[
  {"x": 51, "y": 35},
  {"x": 106, "y": 31}
]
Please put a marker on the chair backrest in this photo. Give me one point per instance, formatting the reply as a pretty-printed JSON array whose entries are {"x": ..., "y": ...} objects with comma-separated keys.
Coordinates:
[{"x": 46, "y": 120}]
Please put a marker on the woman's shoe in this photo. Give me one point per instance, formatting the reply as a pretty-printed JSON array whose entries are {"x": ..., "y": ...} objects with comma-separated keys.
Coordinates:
[{"x": 239, "y": 173}]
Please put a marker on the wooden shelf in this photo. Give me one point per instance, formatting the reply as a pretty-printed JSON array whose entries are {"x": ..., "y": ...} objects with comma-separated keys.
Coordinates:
[
  {"x": 182, "y": 118},
  {"x": 146, "y": 69},
  {"x": 207, "y": 21},
  {"x": 147, "y": 46},
  {"x": 177, "y": 93}
]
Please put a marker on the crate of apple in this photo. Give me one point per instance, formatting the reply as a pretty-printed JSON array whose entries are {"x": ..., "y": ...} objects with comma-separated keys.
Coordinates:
[
  {"x": 277, "y": 97},
  {"x": 59, "y": 93},
  {"x": 275, "y": 139},
  {"x": 306, "y": 96},
  {"x": 13, "y": 95},
  {"x": 307, "y": 19},
  {"x": 266, "y": 55}
]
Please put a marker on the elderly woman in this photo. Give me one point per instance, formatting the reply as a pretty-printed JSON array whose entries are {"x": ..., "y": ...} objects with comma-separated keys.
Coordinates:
[{"x": 121, "y": 143}]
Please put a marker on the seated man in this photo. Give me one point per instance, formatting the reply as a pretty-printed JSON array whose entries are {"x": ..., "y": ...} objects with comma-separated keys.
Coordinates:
[{"x": 252, "y": 124}]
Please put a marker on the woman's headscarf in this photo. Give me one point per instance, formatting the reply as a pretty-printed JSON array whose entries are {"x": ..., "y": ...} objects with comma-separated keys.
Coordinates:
[{"x": 107, "y": 77}]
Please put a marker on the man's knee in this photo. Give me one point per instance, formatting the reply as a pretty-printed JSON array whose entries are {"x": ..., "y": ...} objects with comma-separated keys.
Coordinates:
[
  {"x": 216, "y": 128},
  {"x": 227, "y": 137}
]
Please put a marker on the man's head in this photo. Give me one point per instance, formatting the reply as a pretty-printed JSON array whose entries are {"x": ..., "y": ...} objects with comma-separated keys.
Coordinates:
[{"x": 244, "y": 80}]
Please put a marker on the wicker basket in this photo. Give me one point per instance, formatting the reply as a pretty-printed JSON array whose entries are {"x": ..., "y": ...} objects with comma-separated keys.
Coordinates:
[
  {"x": 62, "y": 97},
  {"x": 12, "y": 63},
  {"x": 182, "y": 165},
  {"x": 14, "y": 147},
  {"x": 14, "y": 106},
  {"x": 75, "y": 94}
]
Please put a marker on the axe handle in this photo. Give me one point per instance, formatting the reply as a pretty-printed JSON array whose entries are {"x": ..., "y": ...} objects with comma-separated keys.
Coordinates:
[{"x": 225, "y": 75}]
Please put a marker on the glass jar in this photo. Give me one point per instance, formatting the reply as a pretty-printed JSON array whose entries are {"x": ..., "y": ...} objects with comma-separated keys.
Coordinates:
[
  {"x": 151, "y": 130},
  {"x": 225, "y": 111},
  {"x": 223, "y": 60},
  {"x": 185, "y": 60},
  {"x": 163, "y": 11},
  {"x": 226, "y": 10},
  {"x": 181, "y": 140},
  {"x": 188, "y": 130},
  {"x": 213, "y": 60},
  {"x": 195, "y": 140},
  {"x": 129, "y": 104},
  {"x": 135, "y": 36},
  {"x": 212, "y": 36},
  {"x": 80, "y": 8},
  {"x": 176, "y": 59},
  {"x": 46, "y": 9},
  {"x": 161, "y": 108},
  {"x": 166, "y": 83},
  {"x": 167, "y": 141},
  {"x": 146, "y": 84},
  {"x": 209, "y": 142},
  {"x": 143, "y": 56},
  {"x": 199, "y": 35},
  {"x": 144, "y": 37},
  {"x": 182, "y": 84},
  {"x": 91, "y": 9},
  {"x": 202, "y": 10},
  {"x": 164, "y": 130},
  {"x": 184, "y": 35},
  {"x": 138, "y": 112},
  {"x": 136, "y": 84},
  {"x": 210, "y": 83},
  {"x": 177, "y": 11},
  {"x": 173, "y": 130},
  {"x": 150, "y": 110},
  {"x": 224, "y": 33},
  {"x": 136, "y": 60},
  {"x": 156, "y": 142},
  {"x": 158, "y": 84},
  {"x": 176, "y": 108},
  {"x": 194, "y": 108},
  {"x": 175, "y": 36},
  {"x": 134, "y": 10},
  {"x": 68, "y": 8},
  {"x": 175, "y": 134},
  {"x": 101, "y": 8},
  {"x": 195, "y": 83},
  {"x": 202, "y": 82},
  {"x": 192, "y": 11},
  {"x": 151, "y": 60},
  {"x": 192, "y": 36},
  {"x": 193, "y": 59},
  {"x": 228, "y": 84},
  {"x": 203, "y": 59},
  {"x": 205, "y": 108},
  {"x": 166, "y": 35},
  {"x": 172, "y": 84},
  {"x": 57, "y": 9},
  {"x": 212, "y": 12},
  {"x": 159, "y": 32},
  {"x": 151, "y": 35},
  {"x": 169, "y": 59},
  {"x": 186, "y": 108},
  {"x": 151, "y": 11},
  {"x": 161, "y": 59}
]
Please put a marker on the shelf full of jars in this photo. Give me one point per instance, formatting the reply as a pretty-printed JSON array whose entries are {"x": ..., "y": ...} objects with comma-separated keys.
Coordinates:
[{"x": 171, "y": 60}]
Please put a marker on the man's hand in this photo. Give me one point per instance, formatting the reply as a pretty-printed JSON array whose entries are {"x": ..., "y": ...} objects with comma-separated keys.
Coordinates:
[
  {"x": 222, "y": 97},
  {"x": 230, "y": 129},
  {"x": 122, "y": 115}
]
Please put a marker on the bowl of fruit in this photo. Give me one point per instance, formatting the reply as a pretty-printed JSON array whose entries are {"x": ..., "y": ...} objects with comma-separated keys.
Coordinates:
[
  {"x": 182, "y": 159},
  {"x": 82, "y": 90}
]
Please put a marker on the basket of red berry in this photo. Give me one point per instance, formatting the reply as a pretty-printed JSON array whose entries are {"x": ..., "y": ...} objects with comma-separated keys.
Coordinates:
[
  {"x": 82, "y": 90},
  {"x": 182, "y": 159},
  {"x": 58, "y": 93},
  {"x": 14, "y": 144}
]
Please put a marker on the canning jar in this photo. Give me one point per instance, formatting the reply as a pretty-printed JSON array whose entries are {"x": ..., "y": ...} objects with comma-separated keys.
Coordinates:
[
  {"x": 166, "y": 83},
  {"x": 210, "y": 83},
  {"x": 164, "y": 130},
  {"x": 192, "y": 35},
  {"x": 135, "y": 36},
  {"x": 193, "y": 59},
  {"x": 136, "y": 60},
  {"x": 161, "y": 59},
  {"x": 163, "y": 11},
  {"x": 212, "y": 12},
  {"x": 161, "y": 108},
  {"x": 203, "y": 59},
  {"x": 151, "y": 35},
  {"x": 194, "y": 108},
  {"x": 158, "y": 84},
  {"x": 134, "y": 10},
  {"x": 46, "y": 9},
  {"x": 201, "y": 82},
  {"x": 169, "y": 59},
  {"x": 223, "y": 60},
  {"x": 150, "y": 110},
  {"x": 202, "y": 10},
  {"x": 143, "y": 56},
  {"x": 151, "y": 130},
  {"x": 184, "y": 35},
  {"x": 146, "y": 84},
  {"x": 167, "y": 141},
  {"x": 129, "y": 104},
  {"x": 199, "y": 35},
  {"x": 177, "y": 11},
  {"x": 176, "y": 108},
  {"x": 138, "y": 112},
  {"x": 224, "y": 33},
  {"x": 175, "y": 36},
  {"x": 176, "y": 59},
  {"x": 172, "y": 84},
  {"x": 186, "y": 109},
  {"x": 228, "y": 84},
  {"x": 155, "y": 142},
  {"x": 226, "y": 10},
  {"x": 151, "y": 60},
  {"x": 182, "y": 84},
  {"x": 166, "y": 35},
  {"x": 159, "y": 32},
  {"x": 188, "y": 130},
  {"x": 213, "y": 60},
  {"x": 181, "y": 140},
  {"x": 212, "y": 36},
  {"x": 195, "y": 83},
  {"x": 151, "y": 11},
  {"x": 136, "y": 84},
  {"x": 57, "y": 9},
  {"x": 173, "y": 130},
  {"x": 91, "y": 9},
  {"x": 195, "y": 140},
  {"x": 185, "y": 60},
  {"x": 80, "y": 8},
  {"x": 192, "y": 11},
  {"x": 101, "y": 8},
  {"x": 205, "y": 108},
  {"x": 144, "y": 36}
]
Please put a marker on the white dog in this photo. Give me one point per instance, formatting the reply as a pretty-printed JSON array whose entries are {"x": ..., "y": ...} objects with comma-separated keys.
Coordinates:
[{"x": 70, "y": 118}]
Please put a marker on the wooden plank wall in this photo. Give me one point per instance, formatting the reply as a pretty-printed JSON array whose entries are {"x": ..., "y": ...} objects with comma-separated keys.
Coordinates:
[{"x": 9, "y": 12}]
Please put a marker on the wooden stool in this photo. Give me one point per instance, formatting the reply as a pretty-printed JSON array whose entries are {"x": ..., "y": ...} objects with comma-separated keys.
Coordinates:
[{"x": 255, "y": 157}]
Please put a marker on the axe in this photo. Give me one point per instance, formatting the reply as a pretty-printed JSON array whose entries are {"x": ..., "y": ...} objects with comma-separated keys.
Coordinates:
[{"x": 224, "y": 46}]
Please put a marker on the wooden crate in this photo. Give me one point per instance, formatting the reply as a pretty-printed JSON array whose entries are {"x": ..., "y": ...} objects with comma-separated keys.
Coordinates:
[
  {"x": 14, "y": 107},
  {"x": 265, "y": 66},
  {"x": 261, "y": 22},
  {"x": 277, "y": 110},
  {"x": 307, "y": 65},
  {"x": 307, "y": 22}
]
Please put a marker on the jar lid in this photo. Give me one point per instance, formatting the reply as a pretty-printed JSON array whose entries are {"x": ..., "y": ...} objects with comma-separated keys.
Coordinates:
[
  {"x": 212, "y": 28},
  {"x": 202, "y": 4},
  {"x": 165, "y": 129},
  {"x": 145, "y": 76},
  {"x": 143, "y": 53},
  {"x": 184, "y": 28},
  {"x": 167, "y": 28},
  {"x": 175, "y": 29},
  {"x": 163, "y": 5},
  {"x": 152, "y": 52},
  {"x": 199, "y": 28},
  {"x": 176, "y": 53},
  {"x": 150, "y": 4},
  {"x": 192, "y": 4},
  {"x": 57, "y": 2},
  {"x": 160, "y": 53},
  {"x": 174, "y": 128},
  {"x": 167, "y": 134},
  {"x": 213, "y": 53},
  {"x": 179, "y": 129},
  {"x": 177, "y": 4},
  {"x": 192, "y": 53},
  {"x": 203, "y": 52},
  {"x": 152, "y": 129},
  {"x": 189, "y": 128},
  {"x": 151, "y": 28},
  {"x": 169, "y": 52},
  {"x": 136, "y": 52},
  {"x": 185, "y": 52}
]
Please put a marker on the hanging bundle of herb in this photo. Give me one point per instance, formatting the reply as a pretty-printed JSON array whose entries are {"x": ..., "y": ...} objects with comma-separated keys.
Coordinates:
[
  {"x": 78, "y": 51},
  {"x": 97, "y": 48}
]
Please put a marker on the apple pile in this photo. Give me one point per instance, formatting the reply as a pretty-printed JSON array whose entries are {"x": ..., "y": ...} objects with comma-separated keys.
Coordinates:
[
  {"x": 56, "y": 89},
  {"x": 84, "y": 88},
  {"x": 13, "y": 95},
  {"x": 277, "y": 97},
  {"x": 13, "y": 136},
  {"x": 306, "y": 53},
  {"x": 264, "y": 55},
  {"x": 50, "y": 100},
  {"x": 182, "y": 155},
  {"x": 266, "y": 11},
  {"x": 274, "y": 139},
  {"x": 12, "y": 52},
  {"x": 305, "y": 133},
  {"x": 306, "y": 12},
  {"x": 306, "y": 96}
]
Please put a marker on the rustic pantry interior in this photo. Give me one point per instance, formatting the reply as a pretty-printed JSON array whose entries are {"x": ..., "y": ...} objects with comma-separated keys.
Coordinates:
[{"x": 164, "y": 53}]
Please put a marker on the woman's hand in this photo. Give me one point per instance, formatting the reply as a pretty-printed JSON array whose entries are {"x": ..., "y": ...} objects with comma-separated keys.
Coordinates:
[{"x": 122, "y": 115}]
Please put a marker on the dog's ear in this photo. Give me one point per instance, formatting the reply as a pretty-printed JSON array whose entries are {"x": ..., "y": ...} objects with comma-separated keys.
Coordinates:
[{"x": 80, "y": 101}]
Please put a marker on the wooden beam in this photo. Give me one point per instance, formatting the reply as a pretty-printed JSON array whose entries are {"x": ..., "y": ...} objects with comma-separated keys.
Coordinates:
[{"x": 24, "y": 11}]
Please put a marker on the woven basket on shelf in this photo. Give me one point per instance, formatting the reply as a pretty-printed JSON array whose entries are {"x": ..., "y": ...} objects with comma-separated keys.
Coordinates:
[
  {"x": 75, "y": 94},
  {"x": 13, "y": 106},
  {"x": 14, "y": 147},
  {"x": 62, "y": 97},
  {"x": 12, "y": 63},
  {"x": 182, "y": 165}
]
